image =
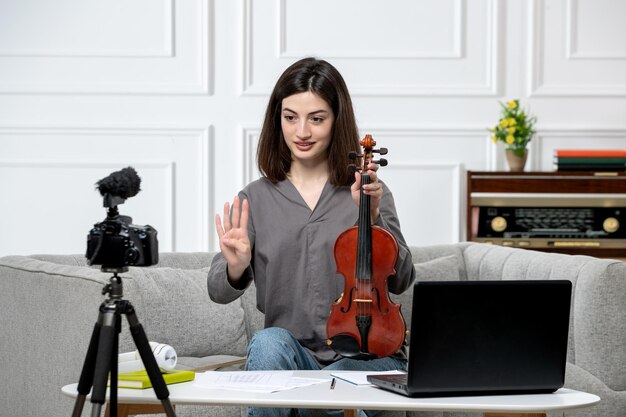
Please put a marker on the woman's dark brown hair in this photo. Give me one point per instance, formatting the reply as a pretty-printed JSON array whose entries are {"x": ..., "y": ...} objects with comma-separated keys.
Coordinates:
[{"x": 321, "y": 78}]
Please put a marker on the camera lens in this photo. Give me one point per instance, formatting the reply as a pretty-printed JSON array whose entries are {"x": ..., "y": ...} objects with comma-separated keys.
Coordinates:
[{"x": 131, "y": 255}]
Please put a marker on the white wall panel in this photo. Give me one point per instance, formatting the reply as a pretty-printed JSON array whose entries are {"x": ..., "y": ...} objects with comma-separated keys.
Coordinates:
[
  {"x": 416, "y": 31},
  {"x": 425, "y": 175},
  {"x": 113, "y": 29},
  {"x": 48, "y": 176},
  {"x": 73, "y": 46},
  {"x": 429, "y": 200},
  {"x": 420, "y": 48},
  {"x": 577, "y": 48},
  {"x": 60, "y": 206},
  {"x": 178, "y": 89},
  {"x": 586, "y": 39}
]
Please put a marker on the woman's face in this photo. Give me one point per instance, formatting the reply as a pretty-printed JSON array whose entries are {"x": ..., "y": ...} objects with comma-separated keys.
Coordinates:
[{"x": 307, "y": 124}]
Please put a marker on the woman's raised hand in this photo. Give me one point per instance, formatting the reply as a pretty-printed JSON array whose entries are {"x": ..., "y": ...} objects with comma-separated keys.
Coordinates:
[
  {"x": 233, "y": 235},
  {"x": 374, "y": 189}
]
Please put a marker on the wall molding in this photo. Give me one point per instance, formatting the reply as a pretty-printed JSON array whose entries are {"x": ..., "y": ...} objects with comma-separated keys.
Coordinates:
[
  {"x": 165, "y": 50},
  {"x": 203, "y": 56},
  {"x": 571, "y": 45},
  {"x": 610, "y": 133},
  {"x": 249, "y": 137},
  {"x": 202, "y": 135},
  {"x": 456, "y": 192},
  {"x": 456, "y": 52},
  {"x": 166, "y": 166},
  {"x": 536, "y": 85},
  {"x": 493, "y": 76}
]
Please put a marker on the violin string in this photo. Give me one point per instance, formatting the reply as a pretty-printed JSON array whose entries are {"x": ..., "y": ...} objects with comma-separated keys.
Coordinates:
[
  {"x": 368, "y": 242},
  {"x": 361, "y": 250}
]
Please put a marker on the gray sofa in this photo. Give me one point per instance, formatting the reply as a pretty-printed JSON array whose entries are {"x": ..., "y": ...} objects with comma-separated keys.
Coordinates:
[{"x": 50, "y": 304}]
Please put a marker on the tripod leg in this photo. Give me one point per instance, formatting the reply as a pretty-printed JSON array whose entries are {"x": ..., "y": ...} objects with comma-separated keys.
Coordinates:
[
  {"x": 143, "y": 346},
  {"x": 86, "y": 375},
  {"x": 103, "y": 365},
  {"x": 114, "y": 367}
]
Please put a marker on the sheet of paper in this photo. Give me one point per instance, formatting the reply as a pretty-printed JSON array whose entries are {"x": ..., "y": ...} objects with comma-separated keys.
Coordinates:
[
  {"x": 254, "y": 381},
  {"x": 360, "y": 377}
]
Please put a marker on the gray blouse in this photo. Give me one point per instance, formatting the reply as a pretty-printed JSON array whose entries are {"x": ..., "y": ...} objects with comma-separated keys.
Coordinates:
[{"x": 293, "y": 264}]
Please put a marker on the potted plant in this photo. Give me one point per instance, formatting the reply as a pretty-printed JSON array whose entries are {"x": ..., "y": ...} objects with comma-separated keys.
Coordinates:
[{"x": 515, "y": 130}]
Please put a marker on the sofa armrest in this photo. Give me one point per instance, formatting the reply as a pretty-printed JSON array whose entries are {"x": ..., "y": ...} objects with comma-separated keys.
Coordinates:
[
  {"x": 49, "y": 312},
  {"x": 597, "y": 336},
  {"x": 600, "y": 322}
]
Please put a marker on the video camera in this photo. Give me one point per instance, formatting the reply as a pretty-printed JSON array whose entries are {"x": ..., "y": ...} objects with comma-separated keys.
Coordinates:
[{"x": 116, "y": 243}]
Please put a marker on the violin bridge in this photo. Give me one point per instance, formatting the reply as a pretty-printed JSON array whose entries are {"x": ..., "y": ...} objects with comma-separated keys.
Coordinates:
[{"x": 361, "y": 300}]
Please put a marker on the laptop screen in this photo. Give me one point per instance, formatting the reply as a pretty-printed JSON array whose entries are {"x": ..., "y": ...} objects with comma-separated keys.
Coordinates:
[{"x": 488, "y": 336}]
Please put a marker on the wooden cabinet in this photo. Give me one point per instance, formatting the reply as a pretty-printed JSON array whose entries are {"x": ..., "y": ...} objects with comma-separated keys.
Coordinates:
[{"x": 568, "y": 212}]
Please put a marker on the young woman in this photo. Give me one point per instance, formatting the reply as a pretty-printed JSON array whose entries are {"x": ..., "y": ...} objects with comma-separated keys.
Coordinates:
[{"x": 282, "y": 228}]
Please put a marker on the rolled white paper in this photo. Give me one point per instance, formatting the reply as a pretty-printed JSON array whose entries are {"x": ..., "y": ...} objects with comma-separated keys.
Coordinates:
[{"x": 165, "y": 356}]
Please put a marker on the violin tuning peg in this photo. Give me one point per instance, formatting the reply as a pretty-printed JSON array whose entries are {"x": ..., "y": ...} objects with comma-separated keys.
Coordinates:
[
  {"x": 383, "y": 151},
  {"x": 353, "y": 155},
  {"x": 382, "y": 162},
  {"x": 352, "y": 168}
]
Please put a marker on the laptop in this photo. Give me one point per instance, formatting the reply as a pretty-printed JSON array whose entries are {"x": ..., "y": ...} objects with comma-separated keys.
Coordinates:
[{"x": 485, "y": 338}]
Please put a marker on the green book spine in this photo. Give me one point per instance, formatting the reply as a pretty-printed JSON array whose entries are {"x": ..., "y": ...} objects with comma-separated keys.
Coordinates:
[
  {"x": 593, "y": 167},
  {"x": 590, "y": 161}
]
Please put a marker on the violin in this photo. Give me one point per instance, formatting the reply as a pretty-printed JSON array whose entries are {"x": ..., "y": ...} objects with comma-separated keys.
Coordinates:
[{"x": 364, "y": 323}]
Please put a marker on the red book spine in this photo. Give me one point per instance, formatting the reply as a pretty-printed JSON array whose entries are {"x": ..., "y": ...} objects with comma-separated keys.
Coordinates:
[{"x": 590, "y": 153}]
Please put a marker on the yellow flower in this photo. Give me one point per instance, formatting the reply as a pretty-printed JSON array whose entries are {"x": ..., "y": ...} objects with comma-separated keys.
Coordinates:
[{"x": 515, "y": 127}]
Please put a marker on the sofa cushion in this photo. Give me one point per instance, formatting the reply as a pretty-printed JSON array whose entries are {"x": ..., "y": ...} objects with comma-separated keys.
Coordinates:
[
  {"x": 612, "y": 404},
  {"x": 181, "y": 313},
  {"x": 212, "y": 363},
  {"x": 445, "y": 268},
  {"x": 425, "y": 254}
]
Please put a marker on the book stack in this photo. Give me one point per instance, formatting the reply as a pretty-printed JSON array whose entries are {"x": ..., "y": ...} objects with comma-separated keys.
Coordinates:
[
  {"x": 140, "y": 379},
  {"x": 590, "y": 159}
]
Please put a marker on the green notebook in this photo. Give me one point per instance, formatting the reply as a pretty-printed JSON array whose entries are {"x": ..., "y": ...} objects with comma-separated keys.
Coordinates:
[{"x": 140, "y": 379}]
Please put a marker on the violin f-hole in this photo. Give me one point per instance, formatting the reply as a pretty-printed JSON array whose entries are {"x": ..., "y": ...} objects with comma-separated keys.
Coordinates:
[
  {"x": 349, "y": 301},
  {"x": 376, "y": 294}
]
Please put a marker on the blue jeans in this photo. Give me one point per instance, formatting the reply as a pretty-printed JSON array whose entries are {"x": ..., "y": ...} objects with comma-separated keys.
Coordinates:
[{"x": 276, "y": 349}]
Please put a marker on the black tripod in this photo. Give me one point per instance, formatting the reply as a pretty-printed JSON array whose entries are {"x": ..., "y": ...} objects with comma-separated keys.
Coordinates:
[{"x": 102, "y": 354}]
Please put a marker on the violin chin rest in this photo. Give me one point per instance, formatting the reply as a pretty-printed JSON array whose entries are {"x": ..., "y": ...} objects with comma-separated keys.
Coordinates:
[{"x": 348, "y": 347}]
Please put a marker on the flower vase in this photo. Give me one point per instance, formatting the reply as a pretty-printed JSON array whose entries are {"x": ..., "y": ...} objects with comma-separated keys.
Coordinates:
[{"x": 516, "y": 159}]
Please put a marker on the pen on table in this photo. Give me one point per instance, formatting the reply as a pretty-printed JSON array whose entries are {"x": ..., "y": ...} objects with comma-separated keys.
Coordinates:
[{"x": 332, "y": 383}]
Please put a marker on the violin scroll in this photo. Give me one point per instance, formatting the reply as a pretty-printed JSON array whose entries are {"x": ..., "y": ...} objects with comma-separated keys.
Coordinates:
[{"x": 368, "y": 144}]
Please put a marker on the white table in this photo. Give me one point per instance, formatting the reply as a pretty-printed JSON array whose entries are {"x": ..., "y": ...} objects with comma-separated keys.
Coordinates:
[{"x": 350, "y": 397}]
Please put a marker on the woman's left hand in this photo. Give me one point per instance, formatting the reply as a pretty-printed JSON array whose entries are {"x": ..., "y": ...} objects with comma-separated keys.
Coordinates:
[{"x": 374, "y": 189}]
